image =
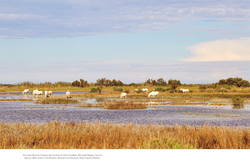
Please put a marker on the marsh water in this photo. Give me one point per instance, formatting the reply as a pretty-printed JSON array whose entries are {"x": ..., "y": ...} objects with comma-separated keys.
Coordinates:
[{"x": 29, "y": 111}]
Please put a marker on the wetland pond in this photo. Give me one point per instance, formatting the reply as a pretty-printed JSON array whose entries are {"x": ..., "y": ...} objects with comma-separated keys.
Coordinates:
[{"x": 193, "y": 115}]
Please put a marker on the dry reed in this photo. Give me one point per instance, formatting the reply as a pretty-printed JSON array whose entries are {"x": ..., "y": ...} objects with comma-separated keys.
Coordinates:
[
  {"x": 125, "y": 105},
  {"x": 73, "y": 135}
]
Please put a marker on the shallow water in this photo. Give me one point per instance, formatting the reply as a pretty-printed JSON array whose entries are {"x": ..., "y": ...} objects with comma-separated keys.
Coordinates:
[{"x": 28, "y": 111}]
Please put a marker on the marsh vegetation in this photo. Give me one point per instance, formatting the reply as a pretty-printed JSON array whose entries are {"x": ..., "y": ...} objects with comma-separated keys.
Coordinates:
[
  {"x": 73, "y": 135},
  {"x": 56, "y": 101}
]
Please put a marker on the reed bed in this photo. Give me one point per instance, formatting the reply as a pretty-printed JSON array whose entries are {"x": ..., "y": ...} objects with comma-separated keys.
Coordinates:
[
  {"x": 90, "y": 105},
  {"x": 108, "y": 104},
  {"x": 73, "y": 135},
  {"x": 56, "y": 101},
  {"x": 125, "y": 105},
  {"x": 16, "y": 100}
]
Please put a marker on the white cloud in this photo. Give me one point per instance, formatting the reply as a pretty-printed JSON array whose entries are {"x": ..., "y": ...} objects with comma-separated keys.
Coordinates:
[
  {"x": 71, "y": 18},
  {"x": 221, "y": 50},
  {"x": 19, "y": 16}
]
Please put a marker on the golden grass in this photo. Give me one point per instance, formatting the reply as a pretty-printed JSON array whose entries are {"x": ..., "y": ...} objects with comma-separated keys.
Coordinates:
[
  {"x": 16, "y": 100},
  {"x": 56, "y": 101},
  {"x": 108, "y": 104},
  {"x": 125, "y": 105},
  {"x": 57, "y": 135}
]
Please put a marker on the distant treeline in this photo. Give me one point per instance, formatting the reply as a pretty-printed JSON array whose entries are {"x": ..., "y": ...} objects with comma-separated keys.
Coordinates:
[
  {"x": 108, "y": 82},
  {"x": 239, "y": 82}
]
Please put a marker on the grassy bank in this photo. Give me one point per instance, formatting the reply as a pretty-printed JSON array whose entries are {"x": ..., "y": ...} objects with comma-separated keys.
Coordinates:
[{"x": 56, "y": 135}]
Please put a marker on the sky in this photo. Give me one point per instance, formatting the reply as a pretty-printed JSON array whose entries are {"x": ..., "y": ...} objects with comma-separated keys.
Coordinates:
[{"x": 196, "y": 41}]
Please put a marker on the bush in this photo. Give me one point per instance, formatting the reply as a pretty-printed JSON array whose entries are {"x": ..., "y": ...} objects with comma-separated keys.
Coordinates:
[
  {"x": 167, "y": 89},
  {"x": 76, "y": 83},
  {"x": 93, "y": 90},
  {"x": 126, "y": 91},
  {"x": 237, "y": 102},
  {"x": 243, "y": 83},
  {"x": 214, "y": 85},
  {"x": 202, "y": 86},
  {"x": 171, "y": 91},
  {"x": 117, "y": 89},
  {"x": 160, "y": 89}
]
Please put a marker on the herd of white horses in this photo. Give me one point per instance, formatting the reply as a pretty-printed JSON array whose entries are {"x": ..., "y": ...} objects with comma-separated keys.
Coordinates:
[
  {"x": 46, "y": 93},
  {"x": 152, "y": 94}
]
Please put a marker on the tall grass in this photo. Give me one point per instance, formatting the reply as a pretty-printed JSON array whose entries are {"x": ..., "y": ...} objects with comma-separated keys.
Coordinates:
[
  {"x": 125, "y": 105},
  {"x": 116, "y": 105},
  {"x": 56, "y": 101},
  {"x": 72, "y": 135}
]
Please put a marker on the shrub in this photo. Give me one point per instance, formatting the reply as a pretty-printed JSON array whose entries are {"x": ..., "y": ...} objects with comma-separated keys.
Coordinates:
[
  {"x": 167, "y": 89},
  {"x": 171, "y": 91},
  {"x": 93, "y": 90},
  {"x": 126, "y": 91},
  {"x": 243, "y": 83},
  {"x": 237, "y": 102},
  {"x": 202, "y": 86},
  {"x": 117, "y": 89},
  {"x": 160, "y": 89},
  {"x": 76, "y": 83},
  {"x": 214, "y": 85}
]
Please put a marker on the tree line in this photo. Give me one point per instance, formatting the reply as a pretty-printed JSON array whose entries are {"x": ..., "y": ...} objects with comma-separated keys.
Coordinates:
[
  {"x": 108, "y": 82},
  {"x": 239, "y": 82}
]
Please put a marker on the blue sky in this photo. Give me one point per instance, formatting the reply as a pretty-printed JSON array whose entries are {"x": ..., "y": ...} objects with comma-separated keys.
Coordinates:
[{"x": 193, "y": 41}]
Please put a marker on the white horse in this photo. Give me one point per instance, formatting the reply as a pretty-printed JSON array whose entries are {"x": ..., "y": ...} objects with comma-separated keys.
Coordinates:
[
  {"x": 184, "y": 90},
  {"x": 37, "y": 92},
  {"x": 50, "y": 93},
  {"x": 123, "y": 95},
  {"x": 47, "y": 93},
  {"x": 26, "y": 91},
  {"x": 153, "y": 94},
  {"x": 68, "y": 94},
  {"x": 144, "y": 89}
]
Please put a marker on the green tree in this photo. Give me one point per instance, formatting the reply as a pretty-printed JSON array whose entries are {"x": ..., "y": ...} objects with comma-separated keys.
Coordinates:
[
  {"x": 76, "y": 83},
  {"x": 161, "y": 82}
]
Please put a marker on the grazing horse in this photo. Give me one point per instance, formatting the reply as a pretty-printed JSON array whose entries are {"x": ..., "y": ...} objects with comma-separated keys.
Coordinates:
[
  {"x": 144, "y": 89},
  {"x": 50, "y": 93},
  {"x": 153, "y": 94},
  {"x": 184, "y": 90},
  {"x": 123, "y": 95},
  {"x": 47, "y": 93},
  {"x": 26, "y": 91},
  {"x": 68, "y": 94},
  {"x": 37, "y": 92}
]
